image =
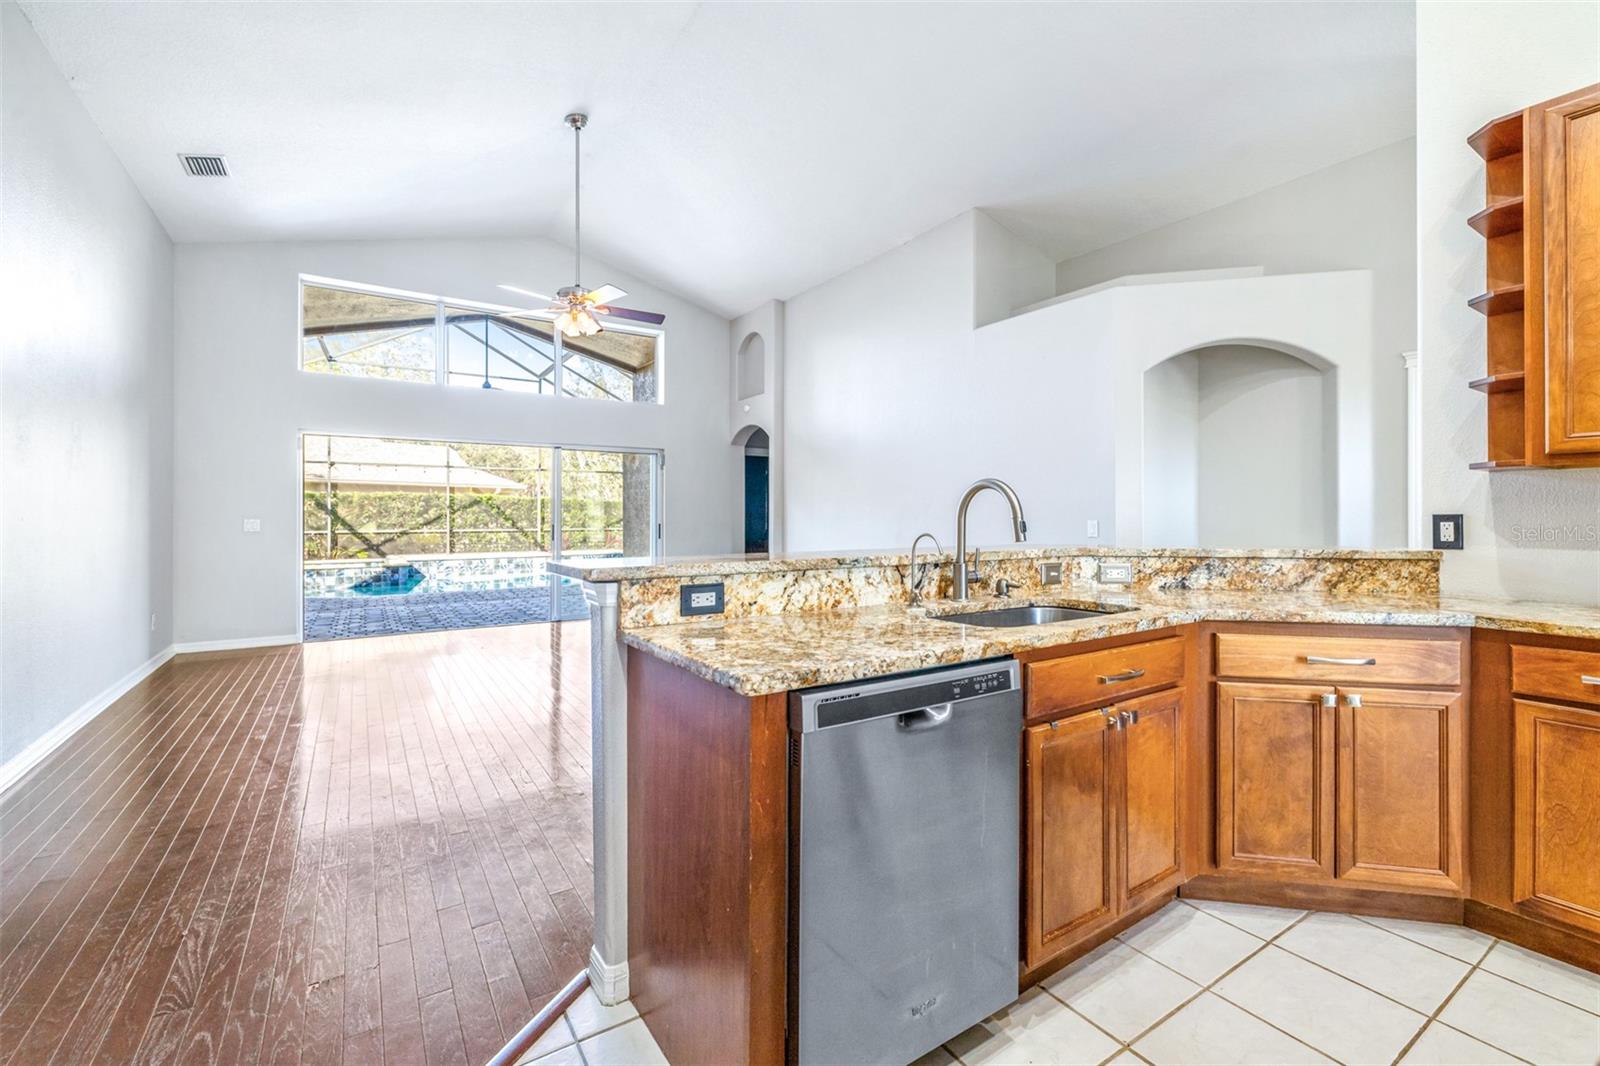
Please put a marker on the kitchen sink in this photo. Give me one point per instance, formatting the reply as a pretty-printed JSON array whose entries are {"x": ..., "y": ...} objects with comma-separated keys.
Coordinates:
[{"x": 1027, "y": 615}]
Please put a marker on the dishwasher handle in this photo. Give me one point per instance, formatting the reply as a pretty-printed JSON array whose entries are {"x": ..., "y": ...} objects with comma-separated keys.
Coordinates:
[{"x": 925, "y": 718}]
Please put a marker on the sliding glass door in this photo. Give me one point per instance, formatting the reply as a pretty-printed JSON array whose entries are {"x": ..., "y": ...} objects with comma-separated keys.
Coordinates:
[{"x": 402, "y": 535}]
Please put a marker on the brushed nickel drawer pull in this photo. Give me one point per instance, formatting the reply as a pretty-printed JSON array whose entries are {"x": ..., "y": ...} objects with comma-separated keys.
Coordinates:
[
  {"x": 1126, "y": 675},
  {"x": 1323, "y": 660},
  {"x": 1589, "y": 679}
]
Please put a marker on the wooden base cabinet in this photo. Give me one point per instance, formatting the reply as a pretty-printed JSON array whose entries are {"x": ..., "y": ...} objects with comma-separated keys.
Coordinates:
[
  {"x": 1323, "y": 777},
  {"x": 1275, "y": 780},
  {"x": 1104, "y": 799},
  {"x": 1556, "y": 812},
  {"x": 1401, "y": 789}
]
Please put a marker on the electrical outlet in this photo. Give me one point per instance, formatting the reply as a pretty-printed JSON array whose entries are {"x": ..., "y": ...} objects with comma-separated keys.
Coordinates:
[
  {"x": 252, "y": 525},
  {"x": 1448, "y": 532},
  {"x": 1092, "y": 529},
  {"x": 700, "y": 599},
  {"x": 1116, "y": 573},
  {"x": 1049, "y": 573}
]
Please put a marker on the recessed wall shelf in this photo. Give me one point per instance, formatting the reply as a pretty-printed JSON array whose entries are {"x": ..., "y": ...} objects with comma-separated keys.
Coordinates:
[
  {"x": 1499, "y": 219},
  {"x": 1507, "y": 382},
  {"x": 1499, "y": 301}
]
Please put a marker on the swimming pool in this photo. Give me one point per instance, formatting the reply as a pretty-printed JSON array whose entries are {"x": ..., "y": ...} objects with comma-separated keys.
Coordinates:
[
  {"x": 470, "y": 574},
  {"x": 410, "y": 596}
]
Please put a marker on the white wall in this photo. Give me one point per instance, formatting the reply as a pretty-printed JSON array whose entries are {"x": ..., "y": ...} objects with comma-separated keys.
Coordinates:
[
  {"x": 1238, "y": 451},
  {"x": 761, "y": 329},
  {"x": 888, "y": 413},
  {"x": 85, "y": 405},
  {"x": 242, "y": 402},
  {"x": 1171, "y": 475},
  {"x": 1266, "y": 469},
  {"x": 1528, "y": 533},
  {"x": 1358, "y": 214},
  {"x": 1008, "y": 272}
]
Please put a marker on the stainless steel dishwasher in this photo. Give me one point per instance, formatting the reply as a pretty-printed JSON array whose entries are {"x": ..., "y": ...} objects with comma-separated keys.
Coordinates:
[{"x": 905, "y": 883}]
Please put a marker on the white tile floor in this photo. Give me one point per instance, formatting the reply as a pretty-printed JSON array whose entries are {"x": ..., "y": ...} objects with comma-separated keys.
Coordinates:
[{"x": 1225, "y": 983}]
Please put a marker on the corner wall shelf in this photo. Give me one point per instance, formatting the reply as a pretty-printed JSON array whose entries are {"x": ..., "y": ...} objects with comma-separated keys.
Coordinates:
[
  {"x": 1499, "y": 219},
  {"x": 1512, "y": 381},
  {"x": 1501, "y": 301}
]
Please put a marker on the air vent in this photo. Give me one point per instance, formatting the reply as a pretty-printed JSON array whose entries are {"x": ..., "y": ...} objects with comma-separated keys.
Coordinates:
[{"x": 204, "y": 166}]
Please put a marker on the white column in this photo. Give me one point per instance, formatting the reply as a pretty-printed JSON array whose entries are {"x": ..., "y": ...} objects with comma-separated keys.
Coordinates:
[
  {"x": 1415, "y": 535},
  {"x": 608, "y": 696}
]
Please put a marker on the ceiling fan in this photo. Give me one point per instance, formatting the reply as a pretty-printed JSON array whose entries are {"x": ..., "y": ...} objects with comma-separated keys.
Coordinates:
[{"x": 574, "y": 306}]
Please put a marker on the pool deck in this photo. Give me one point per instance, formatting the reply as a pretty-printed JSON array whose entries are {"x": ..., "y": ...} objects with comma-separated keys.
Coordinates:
[{"x": 335, "y": 617}]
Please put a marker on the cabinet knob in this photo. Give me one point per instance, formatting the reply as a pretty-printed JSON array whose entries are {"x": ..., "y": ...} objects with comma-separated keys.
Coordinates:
[
  {"x": 1352, "y": 699},
  {"x": 1330, "y": 700}
]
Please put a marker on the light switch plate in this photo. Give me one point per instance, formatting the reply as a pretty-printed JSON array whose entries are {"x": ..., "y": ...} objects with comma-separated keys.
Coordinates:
[
  {"x": 1116, "y": 573},
  {"x": 1092, "y": 529},
  {"x": 1448, "y": 533},
  {"x": 1049, "y": 573}
]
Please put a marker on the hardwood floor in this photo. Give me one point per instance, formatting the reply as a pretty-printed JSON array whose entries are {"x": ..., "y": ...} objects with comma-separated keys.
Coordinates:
[{"x": 354, "y": 852}]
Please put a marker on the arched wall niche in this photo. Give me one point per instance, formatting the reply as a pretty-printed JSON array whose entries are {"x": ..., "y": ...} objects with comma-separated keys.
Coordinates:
[
  {"x": 1240, "y": 447},
  {"x": 750, "y": 367}
]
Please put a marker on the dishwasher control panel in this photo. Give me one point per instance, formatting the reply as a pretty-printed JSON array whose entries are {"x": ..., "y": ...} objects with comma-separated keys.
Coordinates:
[{"x": 836, "y": 705}]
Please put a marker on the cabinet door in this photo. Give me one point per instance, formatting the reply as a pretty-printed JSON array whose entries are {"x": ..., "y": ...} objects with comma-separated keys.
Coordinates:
[
  {"x": 1275, "y": 780},
  {"x": 1571, "y": 188},
  {"x": 1152, "y": 792},
  {"x": 1556, "y": 812},
  {"x": 1072, "y": 815},
  {"x": 1401, "y": 791}
]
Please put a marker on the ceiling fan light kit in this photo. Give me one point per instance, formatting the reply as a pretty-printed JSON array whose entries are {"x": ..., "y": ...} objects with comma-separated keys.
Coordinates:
[{"x": 574, "y": 306}]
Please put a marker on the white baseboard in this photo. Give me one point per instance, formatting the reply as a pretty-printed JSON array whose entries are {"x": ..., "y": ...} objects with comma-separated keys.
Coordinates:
[
  {"x": 16, "y": 767},
  {"x": 609, "y": 980},
  {"x": 235, "y": 644}
]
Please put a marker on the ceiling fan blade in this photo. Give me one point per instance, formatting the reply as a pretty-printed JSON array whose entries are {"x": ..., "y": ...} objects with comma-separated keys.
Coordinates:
[
  {"x": 628, "y": 312},
  {"x": 604, "y": 294},
  {"x": 528, "y": 292}
]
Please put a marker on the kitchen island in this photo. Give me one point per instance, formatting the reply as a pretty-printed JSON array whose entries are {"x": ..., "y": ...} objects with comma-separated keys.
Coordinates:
[{"x": 1271, "y": 763}]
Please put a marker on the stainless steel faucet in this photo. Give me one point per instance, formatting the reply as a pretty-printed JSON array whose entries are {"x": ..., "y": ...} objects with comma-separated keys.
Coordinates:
[
  {"x": 1019, "y": 528},
  {"x": 918, "y": 576}
]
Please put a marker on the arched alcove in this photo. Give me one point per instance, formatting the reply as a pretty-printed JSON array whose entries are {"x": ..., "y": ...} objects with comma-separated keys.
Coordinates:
[
  {"x": 1240, "y": 448},
  {"x": 756, "y": 445},
  {"x": 750, "y": 367}
]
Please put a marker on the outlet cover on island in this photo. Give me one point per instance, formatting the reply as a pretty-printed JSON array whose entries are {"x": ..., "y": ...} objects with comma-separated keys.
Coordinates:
[
  {"x": 252, "y": 525},
  {"x": 1116, "y": 573},
  {"x": 1447, "y": 532},
  {"x": 700, "y": 599}
]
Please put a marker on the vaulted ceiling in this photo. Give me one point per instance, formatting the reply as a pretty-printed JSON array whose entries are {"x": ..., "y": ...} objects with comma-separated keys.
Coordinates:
[{"x": 736, "y": 152}]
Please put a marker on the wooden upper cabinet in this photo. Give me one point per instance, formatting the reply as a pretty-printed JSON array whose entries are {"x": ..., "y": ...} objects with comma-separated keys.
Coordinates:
[
  {"x": 1570, "y": 146},
  {"x": 1275, "y": 779},
  {"x": 1153, "y": 789},
  {"x": 1401, "y": 787},
  {"x": 1556, "y": 812},
  {"x": 1072, "y": 831}
]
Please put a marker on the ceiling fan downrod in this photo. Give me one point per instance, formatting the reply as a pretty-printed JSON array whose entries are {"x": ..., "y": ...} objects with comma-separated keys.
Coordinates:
[{"x": 577, "y": 120}]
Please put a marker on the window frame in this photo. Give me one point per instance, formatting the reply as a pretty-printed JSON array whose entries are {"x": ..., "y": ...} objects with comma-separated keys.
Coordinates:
[{"x": 442, "y": 305}]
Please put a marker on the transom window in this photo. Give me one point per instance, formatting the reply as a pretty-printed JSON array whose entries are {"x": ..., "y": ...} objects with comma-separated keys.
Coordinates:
[{"x": 363, "y": 332}]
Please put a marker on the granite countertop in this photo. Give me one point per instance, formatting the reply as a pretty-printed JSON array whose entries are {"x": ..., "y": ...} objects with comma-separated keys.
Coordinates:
[
  {"x": 775, "y": 653},
  {"x": 639, "y": 569}
]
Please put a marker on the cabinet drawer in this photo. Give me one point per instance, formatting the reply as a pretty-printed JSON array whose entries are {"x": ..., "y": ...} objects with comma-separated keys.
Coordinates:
[
  {"x": 1380, "y": 660},
  {"x": 1101, "y": 677},
  {"x": 1556, "y": 673}
]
